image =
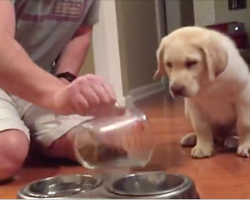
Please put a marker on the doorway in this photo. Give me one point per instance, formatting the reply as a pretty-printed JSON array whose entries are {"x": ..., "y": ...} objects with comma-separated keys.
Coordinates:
[{"x": 174, "y": 14}]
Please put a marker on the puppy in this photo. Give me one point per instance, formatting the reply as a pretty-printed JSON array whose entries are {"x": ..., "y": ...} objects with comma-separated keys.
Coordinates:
[{"x": 205, "y": 67}]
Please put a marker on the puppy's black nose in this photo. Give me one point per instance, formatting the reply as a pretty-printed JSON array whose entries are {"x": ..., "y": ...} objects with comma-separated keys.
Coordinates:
[{"x": 177, "y": 90}]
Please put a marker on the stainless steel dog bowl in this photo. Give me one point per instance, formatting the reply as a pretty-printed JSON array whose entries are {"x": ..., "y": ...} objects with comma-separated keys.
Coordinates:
[
  {"x": 149, "y": 185},
  {"x": 60, "y": 186},
  {"x": 154, "y": 185}
]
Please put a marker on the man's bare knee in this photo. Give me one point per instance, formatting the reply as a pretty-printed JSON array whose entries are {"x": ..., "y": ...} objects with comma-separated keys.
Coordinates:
[{"x": 14, "y": 147}]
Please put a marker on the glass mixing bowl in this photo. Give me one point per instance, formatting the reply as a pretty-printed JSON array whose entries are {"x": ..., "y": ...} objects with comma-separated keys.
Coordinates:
[{"x": 120, "y": 140}]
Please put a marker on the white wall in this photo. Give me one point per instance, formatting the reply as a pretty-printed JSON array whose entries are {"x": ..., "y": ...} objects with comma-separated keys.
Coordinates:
[{"x": 204, "y": 12}]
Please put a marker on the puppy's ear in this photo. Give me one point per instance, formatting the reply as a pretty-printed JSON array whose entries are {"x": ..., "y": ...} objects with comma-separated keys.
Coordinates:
[
  {"x": 216, "y": 58},
  {"x": 160, "y": 63}
]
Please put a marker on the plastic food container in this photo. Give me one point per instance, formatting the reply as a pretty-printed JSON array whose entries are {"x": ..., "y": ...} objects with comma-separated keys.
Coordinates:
[{"x": 124, "y": 139}]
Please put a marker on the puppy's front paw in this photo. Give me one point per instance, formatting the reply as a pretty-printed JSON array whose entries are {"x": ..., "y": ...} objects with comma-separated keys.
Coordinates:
[
  {"x": 244, "y": 150},
  {"x": 200, "y": 151}
]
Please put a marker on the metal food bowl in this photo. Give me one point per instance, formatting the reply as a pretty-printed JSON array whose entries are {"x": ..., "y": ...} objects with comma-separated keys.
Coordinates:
[
  {"x": 154, "y": 185},
  {"x": 60, "y": 186}
]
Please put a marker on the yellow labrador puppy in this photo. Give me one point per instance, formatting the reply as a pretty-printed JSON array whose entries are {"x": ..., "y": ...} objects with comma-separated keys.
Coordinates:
[{"x": 205, "y": 67}]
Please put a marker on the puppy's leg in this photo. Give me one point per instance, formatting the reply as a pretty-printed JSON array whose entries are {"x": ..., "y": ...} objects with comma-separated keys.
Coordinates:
[
  {"x": 243, "y": 128},
  {"x": 204, "y": 134},
  {"x": 244, "y": 141},
  {"x": 188, "y": 140},
  {"x": 204, "y": 147},
  {"x": 243, "y": 124}
]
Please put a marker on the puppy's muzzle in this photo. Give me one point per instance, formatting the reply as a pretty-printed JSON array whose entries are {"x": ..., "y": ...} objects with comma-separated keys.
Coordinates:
[{"x": 178, "y": 90}]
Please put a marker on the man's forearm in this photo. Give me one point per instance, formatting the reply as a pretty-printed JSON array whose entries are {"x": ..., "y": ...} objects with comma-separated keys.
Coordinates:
[
  {"x": 20, "y": 76},
  {"x": 74, "y": 54}
]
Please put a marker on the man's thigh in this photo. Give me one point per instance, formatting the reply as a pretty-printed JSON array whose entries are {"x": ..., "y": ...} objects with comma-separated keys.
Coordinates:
[
  {"x": 46, "y": 127},
  {"x": 9, "y": 115}
]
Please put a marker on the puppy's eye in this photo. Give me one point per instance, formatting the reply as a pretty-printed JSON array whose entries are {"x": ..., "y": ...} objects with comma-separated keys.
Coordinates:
[
  {"x": 190, "y": 63},
  {"x": 169, "y": 64}
]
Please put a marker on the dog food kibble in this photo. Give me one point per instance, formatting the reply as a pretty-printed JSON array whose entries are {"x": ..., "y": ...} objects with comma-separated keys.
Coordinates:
[{"x": 101, "y": 153}]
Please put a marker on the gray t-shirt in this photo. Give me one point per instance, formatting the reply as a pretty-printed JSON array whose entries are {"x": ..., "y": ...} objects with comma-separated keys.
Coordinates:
[{"x": 44, "y": 27}]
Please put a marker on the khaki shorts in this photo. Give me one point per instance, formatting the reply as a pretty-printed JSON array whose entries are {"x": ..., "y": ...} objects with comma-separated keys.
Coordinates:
[{"x": 35, "y": 122}]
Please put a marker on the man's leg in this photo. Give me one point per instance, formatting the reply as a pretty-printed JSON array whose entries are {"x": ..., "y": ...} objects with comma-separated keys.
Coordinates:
[
  {"x": 13, "y": 151},
  {"x": 62, "y": 147},
  {"x": 57, "y": 141},
  {"x": 51, "y": 133},
  {"x": 14, "y": 138}
]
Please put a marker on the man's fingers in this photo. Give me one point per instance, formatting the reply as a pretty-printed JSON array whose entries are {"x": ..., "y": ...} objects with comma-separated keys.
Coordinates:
[
  {"x": 109, "y": 90},
  {"x": 101, "y": 93},
  {"x": 81, "y": 105},
  {"x": 90, "y": 95}
]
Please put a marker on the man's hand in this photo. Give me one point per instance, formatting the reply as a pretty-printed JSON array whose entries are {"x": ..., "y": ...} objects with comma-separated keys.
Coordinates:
[{"x": 86, "y": 95}]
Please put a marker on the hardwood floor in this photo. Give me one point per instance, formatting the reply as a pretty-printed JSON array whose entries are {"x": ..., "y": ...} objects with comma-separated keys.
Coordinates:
[{"x": 222, "y": 176}]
